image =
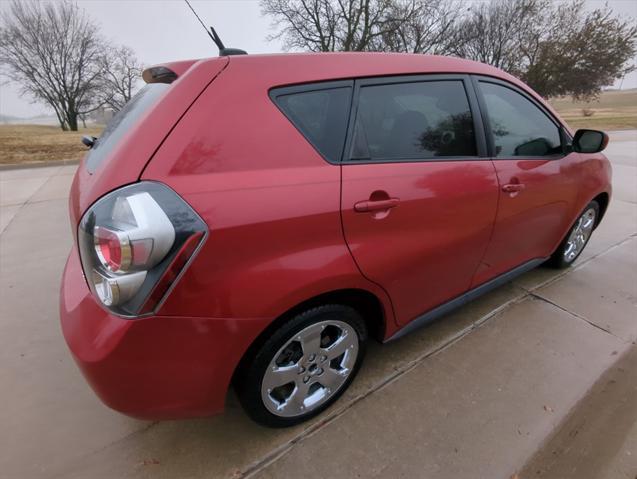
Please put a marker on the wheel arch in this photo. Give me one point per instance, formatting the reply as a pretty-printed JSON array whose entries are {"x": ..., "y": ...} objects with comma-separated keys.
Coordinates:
[
  {"x": 365, "y": 302},
  {"x": 602, "y": 200}
]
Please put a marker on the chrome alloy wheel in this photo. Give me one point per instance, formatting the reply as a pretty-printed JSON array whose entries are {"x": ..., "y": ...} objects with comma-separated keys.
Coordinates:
[
  {"x": 309, "y": 368},
  {"x": 579, "y": 235}
]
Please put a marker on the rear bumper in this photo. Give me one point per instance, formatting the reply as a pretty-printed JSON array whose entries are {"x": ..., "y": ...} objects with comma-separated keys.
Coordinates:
[{"x": 158, "y": 367}]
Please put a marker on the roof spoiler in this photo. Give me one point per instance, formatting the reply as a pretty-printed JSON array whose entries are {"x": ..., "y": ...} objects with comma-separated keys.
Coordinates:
[
  {"x": 167, "y": 72},
  {"x": 159, "y": 74}
]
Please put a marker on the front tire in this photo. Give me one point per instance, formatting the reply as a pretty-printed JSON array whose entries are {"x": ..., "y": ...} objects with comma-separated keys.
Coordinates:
[
  {"x": 303, "y": 368},
  {"x": 576, "y": 239}
]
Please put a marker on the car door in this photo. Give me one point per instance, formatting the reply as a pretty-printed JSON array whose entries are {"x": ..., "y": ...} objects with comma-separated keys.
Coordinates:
[
  {"x": 419, "y": 194},
  {"x": 538, "y": 180}
]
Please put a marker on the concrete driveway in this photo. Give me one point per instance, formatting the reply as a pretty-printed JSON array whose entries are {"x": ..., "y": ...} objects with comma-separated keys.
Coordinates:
[{"x": 506, "y": 381}]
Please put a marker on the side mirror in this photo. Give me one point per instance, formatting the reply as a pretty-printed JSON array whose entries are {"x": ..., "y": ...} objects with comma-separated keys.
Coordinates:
[
  {"x": 89, "y": 141},
  {"x": 589, "y": 141}
]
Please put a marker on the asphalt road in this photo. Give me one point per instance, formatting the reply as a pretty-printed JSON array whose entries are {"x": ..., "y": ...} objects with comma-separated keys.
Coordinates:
[{"x": 500, "y": 384}]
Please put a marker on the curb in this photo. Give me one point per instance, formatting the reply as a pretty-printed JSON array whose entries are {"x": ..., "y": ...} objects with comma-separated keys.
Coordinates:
[{"x": 39, "y": 164}]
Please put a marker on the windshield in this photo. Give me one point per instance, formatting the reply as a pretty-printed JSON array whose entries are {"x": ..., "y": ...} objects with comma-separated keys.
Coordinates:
[{"x": 121, "y": 123}]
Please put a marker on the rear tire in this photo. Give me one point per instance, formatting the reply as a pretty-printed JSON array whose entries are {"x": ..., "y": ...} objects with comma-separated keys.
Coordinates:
[
  {"x": 576, "y": 239},
  {"x": 304, "y": 367}
]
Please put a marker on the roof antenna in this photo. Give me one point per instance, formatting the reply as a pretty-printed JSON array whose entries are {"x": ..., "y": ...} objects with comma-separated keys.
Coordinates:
[{"x": 212, "y": 33}]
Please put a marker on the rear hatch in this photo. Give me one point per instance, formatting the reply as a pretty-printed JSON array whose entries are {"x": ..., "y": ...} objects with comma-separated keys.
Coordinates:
[{"x": 133, "y": 135}]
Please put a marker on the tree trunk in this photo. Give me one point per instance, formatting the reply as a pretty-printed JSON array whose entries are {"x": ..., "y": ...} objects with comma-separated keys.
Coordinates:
[{"x": 71, "y": 118}]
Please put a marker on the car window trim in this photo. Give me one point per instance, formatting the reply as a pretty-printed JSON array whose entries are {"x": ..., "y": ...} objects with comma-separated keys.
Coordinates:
[
  {"x": 275, "y": 92},
  {"x": 484, "y": 111},
  {"x": 465, "y": 79}
]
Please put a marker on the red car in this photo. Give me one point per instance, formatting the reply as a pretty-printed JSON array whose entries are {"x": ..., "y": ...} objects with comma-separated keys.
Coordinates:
[{"x": 252, "y": 220}]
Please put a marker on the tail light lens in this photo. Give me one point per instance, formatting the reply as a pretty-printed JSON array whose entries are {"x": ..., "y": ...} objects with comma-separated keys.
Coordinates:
[{"x": 135, "y": 243}]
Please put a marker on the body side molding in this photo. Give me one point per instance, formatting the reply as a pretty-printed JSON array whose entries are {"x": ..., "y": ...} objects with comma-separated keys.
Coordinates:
[{"x": 465, "y": 298}]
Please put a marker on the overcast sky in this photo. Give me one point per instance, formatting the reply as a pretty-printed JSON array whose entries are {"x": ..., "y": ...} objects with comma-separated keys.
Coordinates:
[{"x": 163, "y": 30}]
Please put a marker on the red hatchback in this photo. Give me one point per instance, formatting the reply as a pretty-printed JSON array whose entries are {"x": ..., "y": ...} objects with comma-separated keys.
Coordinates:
[{"x": 252, "y": 220}]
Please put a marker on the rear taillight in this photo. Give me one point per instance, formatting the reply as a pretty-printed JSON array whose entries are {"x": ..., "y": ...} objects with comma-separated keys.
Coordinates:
[{"x": 135, "y": 243}]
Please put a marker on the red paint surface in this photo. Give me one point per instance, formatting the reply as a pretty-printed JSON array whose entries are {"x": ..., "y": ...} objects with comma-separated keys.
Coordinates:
[{"x": 283, "y": 228}]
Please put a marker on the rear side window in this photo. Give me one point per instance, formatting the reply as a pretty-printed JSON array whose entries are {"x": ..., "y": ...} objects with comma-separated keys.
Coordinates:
[
  {"x": 320, "y": 115},
  {"x": 122, "y": 122},
  {"x": 518, "y": 126},
  {"x": 420, "y": 120}
]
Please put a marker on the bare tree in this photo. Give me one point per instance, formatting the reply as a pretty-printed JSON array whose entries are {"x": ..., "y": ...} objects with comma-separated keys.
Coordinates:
[
  {"x": 577, "y": 52},
  {"x": 52, "y": 51},
  {"x": 557, "y": 48},
  {"x": 336, "y": 25},
  {"x": 491, "y": 32},
  {"x": 426, "y": 29},
  {"x": 121, "y": 75}
]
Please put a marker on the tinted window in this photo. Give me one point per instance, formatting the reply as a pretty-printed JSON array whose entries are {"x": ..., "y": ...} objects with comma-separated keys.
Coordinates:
[
  {"x": 519, "y": 127},
  {"x": 123, "y": 121},
  {"x": 413, "y": 120},
  {"x": 321, "y": 116}
]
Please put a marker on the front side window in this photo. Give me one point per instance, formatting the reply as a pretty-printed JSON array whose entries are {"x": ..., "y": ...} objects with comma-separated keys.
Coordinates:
[
  {"x": 419, "y": 120},
  {"x": 518, "y": 126},
  {"x": 321, "y": 116}
]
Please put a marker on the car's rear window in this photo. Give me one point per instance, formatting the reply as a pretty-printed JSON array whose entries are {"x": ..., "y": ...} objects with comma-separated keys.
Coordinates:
[
  {"x": 121, "y": 123},
  {"x": 320, "y": 113}
]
